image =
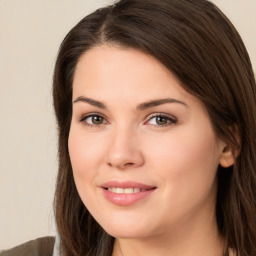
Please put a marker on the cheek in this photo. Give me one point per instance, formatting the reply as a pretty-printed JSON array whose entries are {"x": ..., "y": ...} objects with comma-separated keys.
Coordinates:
[
  {"x": 186, "y": 160},
  {"x": 85, "y": 157},
  {"x": 183, "y": 149},
  {"x": 84, "y": 151},
  {"x": 185, "y": 165}
]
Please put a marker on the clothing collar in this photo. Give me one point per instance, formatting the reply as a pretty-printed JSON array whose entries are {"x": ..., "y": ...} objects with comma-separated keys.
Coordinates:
[{"x": 56, "y": 249}]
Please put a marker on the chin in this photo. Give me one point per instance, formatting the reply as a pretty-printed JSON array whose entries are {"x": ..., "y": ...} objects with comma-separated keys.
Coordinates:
[
  {"x": 126, "y": 234},
  {"x": 127, "y": 228}
]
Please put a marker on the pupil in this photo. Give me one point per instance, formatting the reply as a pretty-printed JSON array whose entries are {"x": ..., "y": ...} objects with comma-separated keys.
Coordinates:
[
  {"x": 97, "y": 120},
  {"x": 161, "y": 120}
]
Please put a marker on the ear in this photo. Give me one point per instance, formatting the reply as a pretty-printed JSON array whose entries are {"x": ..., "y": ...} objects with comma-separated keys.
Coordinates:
[
  {"x": 230, "y": 153},
  {"x": 227, "y": 157}
]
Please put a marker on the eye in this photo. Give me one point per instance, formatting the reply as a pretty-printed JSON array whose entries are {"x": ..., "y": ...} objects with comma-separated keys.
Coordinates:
[
  {"x": 93, "y": 120},
  {"x": 161, "y": 120}
]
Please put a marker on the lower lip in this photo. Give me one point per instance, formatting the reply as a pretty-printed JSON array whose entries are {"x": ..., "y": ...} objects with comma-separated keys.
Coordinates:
[{"x": 126, "y": 199}]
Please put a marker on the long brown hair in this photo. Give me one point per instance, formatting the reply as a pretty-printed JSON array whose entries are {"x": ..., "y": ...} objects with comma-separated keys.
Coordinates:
[{"x": 198, "y": 44}]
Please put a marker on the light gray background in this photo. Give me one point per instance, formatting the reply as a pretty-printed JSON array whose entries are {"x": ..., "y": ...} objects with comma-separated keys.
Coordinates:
[{"x": 30, "y": 34}]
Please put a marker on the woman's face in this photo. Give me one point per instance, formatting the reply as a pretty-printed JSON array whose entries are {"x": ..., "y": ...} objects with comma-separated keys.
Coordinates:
[{"x": 143, "y": 150}]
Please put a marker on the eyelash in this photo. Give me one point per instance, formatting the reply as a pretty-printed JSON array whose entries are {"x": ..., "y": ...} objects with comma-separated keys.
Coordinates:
[
  {"x": 170, "y": 119},
  {"x": 91, "y": 115}
]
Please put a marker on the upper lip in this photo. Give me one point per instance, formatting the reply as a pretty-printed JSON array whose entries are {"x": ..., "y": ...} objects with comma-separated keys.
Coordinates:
[{"x": 126, "y": 184}]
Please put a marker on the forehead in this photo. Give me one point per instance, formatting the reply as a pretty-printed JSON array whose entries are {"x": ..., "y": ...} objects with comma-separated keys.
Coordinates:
[
  {"x": 104, "y": 67},
  {"x": 110, "y": 59},
  {"x": 127, "y": 76}
]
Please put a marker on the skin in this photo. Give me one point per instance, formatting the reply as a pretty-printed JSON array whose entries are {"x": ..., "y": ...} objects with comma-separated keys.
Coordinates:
[{"x": 180, "y": 158}]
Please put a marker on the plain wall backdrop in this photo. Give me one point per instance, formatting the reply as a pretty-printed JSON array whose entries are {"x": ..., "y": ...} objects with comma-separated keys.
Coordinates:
[{"x": 30, "y": 34}]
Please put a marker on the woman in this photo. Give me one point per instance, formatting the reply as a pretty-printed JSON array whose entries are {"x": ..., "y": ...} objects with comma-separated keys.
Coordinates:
[
  {"x": 160, "y": 93},
  {"x": 155, "y": 105}
]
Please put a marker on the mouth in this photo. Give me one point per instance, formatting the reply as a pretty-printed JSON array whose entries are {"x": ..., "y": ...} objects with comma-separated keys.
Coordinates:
[
  {"x": 125, "y": 190},
  {"x": 126, "y": 193}
]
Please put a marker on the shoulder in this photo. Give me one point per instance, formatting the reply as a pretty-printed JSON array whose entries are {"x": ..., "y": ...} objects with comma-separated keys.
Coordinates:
[{"x": 38, "y": 247}]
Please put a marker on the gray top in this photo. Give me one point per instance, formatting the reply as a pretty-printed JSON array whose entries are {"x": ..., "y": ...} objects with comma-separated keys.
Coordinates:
[{"x": 44, "y": 246}]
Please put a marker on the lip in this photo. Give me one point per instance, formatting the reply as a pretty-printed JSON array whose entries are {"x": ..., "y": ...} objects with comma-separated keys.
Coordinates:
[
  {"x": 126, "y": 184},
  {"x": 126, "y": 199}
]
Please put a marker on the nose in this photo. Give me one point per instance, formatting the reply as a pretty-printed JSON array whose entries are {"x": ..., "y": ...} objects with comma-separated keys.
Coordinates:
[{"x": 124, "y": 151}]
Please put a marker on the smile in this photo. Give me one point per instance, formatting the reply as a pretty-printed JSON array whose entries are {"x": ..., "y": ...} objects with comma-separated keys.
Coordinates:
[
  {"x": 126, "y": 193},
  {"x": 125, "y": 190}
]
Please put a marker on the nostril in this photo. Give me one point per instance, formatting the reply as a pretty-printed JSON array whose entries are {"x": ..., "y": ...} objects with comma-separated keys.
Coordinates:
[{"x": 129, "y": 164}]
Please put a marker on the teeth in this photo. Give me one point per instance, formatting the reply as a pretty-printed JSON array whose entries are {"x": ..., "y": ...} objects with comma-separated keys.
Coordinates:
[
  {"x": 125, "y": 190},
  {"x": 136, "y": 190}
]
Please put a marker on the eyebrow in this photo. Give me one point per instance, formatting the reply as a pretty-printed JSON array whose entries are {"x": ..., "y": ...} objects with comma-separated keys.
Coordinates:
[
  {"x": 140, "y": 107},
  {"x": 90, "y": 101},
  {"x": 157, "y": 102}
]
